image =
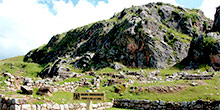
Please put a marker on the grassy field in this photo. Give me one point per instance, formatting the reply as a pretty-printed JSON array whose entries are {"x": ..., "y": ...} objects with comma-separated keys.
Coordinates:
[
  {"x": 16, "y": 66},
  {"x": 209, "y": 91}
]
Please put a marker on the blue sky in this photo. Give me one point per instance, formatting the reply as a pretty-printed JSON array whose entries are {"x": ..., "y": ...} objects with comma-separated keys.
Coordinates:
[
  {"x": 50, "y": 3},
  {"x": 186, "y": 3},
  {"x": 190, "y": 3},
  {"x": 28, "y": 24}
]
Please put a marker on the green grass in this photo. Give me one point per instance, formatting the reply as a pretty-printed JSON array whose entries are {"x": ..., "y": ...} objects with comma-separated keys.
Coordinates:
[
  {"x": 61, "y": 97},
  {"x": 16, "y": 66},
  {"x": 166, "y": 83},
  {"x": 205, "y": 92},
  {"x": 73, "y": 69},
  {"x": 189, "y": 94},
  {"x": 106, "y": 70},
  {"x": 178, "y": 36},
  {"x": 193, "y": 15}
]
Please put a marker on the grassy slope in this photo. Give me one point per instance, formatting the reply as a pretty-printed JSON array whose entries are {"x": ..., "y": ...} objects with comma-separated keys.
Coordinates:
[
  {"x": 16, "y": 66},
  {"x": 205, "y": 92}
]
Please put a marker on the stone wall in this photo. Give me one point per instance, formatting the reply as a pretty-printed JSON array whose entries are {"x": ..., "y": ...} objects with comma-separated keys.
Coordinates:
[
  {"x": 198, "y": 77},
  {"x": 21, "y": 104},
  {"x": 162, "y": 105}
]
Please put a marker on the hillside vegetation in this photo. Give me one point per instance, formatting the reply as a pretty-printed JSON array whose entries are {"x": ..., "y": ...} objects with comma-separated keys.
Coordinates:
[
  {"x": 155, "y": 51},
  {"x": 155, "y": 35},
  {"x": 205, "y": 90}
]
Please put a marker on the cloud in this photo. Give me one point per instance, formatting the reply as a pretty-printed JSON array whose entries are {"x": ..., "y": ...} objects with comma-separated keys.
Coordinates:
[
  {"x": 28, "y": 24},
  {"x": 209, "y": 7}
]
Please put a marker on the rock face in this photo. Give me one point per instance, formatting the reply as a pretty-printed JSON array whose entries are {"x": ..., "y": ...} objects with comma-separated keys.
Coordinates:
[
  {"x": 216, "y": 25},
  {"x": 58, "y": 69},
  {"x": 205, "y": 49},
  {"x": 155, "y": 35}
]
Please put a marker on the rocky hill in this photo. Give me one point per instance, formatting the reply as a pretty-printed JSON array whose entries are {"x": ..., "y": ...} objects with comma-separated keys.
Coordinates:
[
  {"x": 155, "y": 35},
  {"x": 205, "y": 48}
]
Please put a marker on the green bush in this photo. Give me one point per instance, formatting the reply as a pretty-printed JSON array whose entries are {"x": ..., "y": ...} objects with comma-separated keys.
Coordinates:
[
  {"x": 193, "y": 16},
  {"x": 209, "y": 42}
]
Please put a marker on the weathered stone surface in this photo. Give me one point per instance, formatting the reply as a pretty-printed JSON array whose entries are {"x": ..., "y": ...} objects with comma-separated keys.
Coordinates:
[
  {"x": 17, "y": 107},
  {"x": 28, "y": 81},
  {"x": 161, "y": 105},
  {"x": 71, "y": 106},
  {"x": 56, "y": 107},
  {"x": 9, "y": 75},
  {"x": 38, "y": 107},
  {"x": 27, "y": 90},
  {"x": 61, "y": 107},
  {"x": 21, "y": 101},
  {"x": 118, "y": 66},
  {"x": 4, "y": 107},
  {"x": 12, "y": 107},
  {"x": 45, "y": 90},
  {"x": 216, "y": 25},
  {"x": 58, "y": 69},
  {"x": 26, "y": 107},
  {"x": 203, "y": 50},
  {"x": 33, "y": 107},
  {"x": 66, "y": 107}
]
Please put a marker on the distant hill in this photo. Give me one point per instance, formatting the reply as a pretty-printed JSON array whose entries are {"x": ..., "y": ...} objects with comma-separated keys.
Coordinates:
[{"x": 155, "y": 35}]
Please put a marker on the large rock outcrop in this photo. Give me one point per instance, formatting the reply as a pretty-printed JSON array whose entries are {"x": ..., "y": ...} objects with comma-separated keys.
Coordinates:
[
  {"x": 205, "y": 49},
  {"x": 155, "y": 35},
  {"x": 216, "y": 25}
]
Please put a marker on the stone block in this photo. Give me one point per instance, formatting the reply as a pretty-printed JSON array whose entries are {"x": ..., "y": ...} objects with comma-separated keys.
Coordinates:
[
  {"x": 162, "y": 102},
  {"x": 15, "y": 107},
  {"x": 183, "y": 104},
  {"x": 1, "y": 105},
  {"x": 56, "y": 107},
  {"x": 38, "y": 107},
  {"x": 12, "y": 101},
  {"x": 26, "y": 107},
  {"x": 156, "y": 102},
  {"x": 66, "y": 107},
  {"x": 22, "y": 101},
  {"x": 12, "y": 107},
  {"x": 71, "y": 106},
  {"x": 27, "y": 90},
  {"x": 4, "y": 107},
  {"x": 43, "y": 106},
  {"x": 33, "y": 107},
  {"x": 61, "y": 107}
]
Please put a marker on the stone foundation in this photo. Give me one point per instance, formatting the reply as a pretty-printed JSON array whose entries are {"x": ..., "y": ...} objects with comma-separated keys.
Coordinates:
[
  {"x": 198, "y": 77},
  {"x": 21, "y": 104},
  {"x": 162, "y": 105}
]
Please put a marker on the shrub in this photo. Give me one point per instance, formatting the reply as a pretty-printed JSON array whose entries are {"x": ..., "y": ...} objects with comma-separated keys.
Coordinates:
[
  {"x": 209, "y": 42},
  {"x": 193, "y": 16}
]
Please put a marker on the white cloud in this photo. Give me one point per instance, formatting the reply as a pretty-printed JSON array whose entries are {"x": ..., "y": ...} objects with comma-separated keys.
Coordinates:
[
  {"x": 26, "y": 24},
  {"x": 209, "y": 7}
]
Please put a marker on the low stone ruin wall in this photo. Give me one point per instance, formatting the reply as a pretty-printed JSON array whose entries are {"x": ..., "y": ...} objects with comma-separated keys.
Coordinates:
[
  {"x": 198, "y": 77},
  {"x": 152, "y": 105},
  {"x": 21, "y": 104}
]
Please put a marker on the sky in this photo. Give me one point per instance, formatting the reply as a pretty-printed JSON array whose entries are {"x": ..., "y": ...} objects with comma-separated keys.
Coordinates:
[{"x": 28, "y": 24}]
